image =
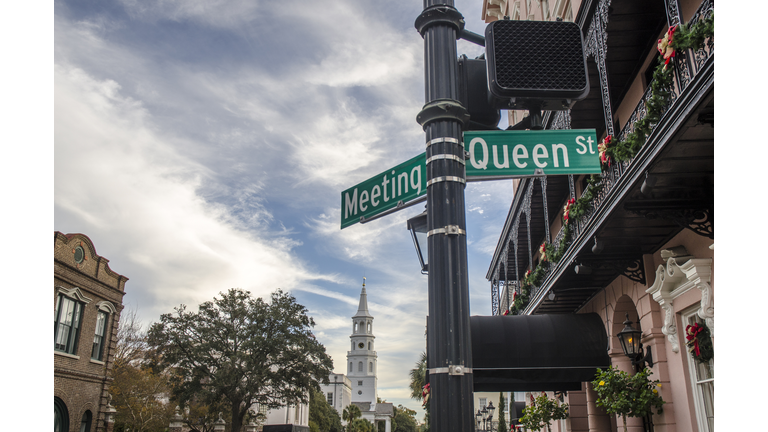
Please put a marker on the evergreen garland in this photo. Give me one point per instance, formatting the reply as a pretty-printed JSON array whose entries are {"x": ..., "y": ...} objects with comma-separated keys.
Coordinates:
[{"x": 684, "y": 38}]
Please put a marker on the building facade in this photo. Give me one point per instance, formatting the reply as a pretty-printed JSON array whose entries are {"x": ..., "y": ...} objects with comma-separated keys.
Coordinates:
[
  {"x": 338, "y": 392},
  {"x": 637, "y": 241},
  {"x": 88, "y": 298},
  {"x": 361, "y": 358},
  {"x": 360, "y": 385}
]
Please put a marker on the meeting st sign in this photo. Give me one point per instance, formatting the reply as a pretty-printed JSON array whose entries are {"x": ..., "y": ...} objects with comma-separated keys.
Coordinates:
[
  {"x": 493, "y": 155},
  {"x": 383, "y": 192}
]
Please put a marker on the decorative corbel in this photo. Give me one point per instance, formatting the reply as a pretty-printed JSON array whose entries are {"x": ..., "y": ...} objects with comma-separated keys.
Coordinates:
[
  {"x": 673, "y": 280},
  {"x": 699, "y": 272}
]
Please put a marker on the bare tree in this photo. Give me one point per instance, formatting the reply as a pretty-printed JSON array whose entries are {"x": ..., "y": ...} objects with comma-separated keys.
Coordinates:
[
  {"x": 131, "y": 340},
  {"x": 138, "y": 391}
]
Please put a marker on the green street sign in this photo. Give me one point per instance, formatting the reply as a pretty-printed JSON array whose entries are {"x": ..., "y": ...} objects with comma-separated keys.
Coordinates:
[
  {"x": 383, "y": 192},
  {"x": 493, "y": 155},
  {"x": 496, "y": 155}
]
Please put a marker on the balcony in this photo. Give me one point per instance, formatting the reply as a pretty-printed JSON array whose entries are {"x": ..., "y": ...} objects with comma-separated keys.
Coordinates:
[{"x": 678, "y": 153}]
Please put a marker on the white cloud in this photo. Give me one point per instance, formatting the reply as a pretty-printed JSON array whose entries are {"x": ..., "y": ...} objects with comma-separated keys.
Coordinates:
[
  {"x": 216, "y": 13},
  {"x": 124, "y": 179}
]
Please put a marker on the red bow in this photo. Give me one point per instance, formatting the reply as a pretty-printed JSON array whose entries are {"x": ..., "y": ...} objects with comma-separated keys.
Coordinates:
[{"x": 692, "y": 331}]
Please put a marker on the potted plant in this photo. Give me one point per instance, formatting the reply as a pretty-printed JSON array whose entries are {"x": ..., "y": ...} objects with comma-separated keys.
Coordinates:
[{"x": 627, "y": 395}]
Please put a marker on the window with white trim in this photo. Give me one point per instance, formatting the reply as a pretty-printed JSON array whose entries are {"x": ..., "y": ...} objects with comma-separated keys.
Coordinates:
[
  {"x": 66, "y": 325},
  {"x": 99, "y": 335},
  {"x": 702, "y": 379},
  {"x": 329, "y": 398}
]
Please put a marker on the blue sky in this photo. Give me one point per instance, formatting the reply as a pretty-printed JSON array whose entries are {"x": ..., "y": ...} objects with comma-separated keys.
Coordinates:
[{"x": 204, "y": 145}]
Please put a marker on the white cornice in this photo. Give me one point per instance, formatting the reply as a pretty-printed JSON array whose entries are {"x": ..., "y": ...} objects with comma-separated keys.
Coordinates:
[
  {"x": 674, "y": 280},
  {"x": 74, "y": 293}
]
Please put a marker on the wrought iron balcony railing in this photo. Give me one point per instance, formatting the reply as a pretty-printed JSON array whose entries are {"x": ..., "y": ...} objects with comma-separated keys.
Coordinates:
[{"x": 687, "y": 64}]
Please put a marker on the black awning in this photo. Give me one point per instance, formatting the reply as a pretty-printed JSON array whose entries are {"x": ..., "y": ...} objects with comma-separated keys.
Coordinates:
[{"x": 537, "y": 352}]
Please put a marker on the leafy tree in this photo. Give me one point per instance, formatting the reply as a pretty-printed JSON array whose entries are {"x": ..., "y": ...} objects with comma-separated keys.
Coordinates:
[
  {"x": 418, "y": 380},
  {"x": 418, "y": 377},
  {"x": 242, "y": 351},
  {"x": 201, "y": 417},
  {"x": 323, "y": 416},
  {"x": 360, "y": 425},
  {"x": 137, "y": 396},
  {"x": 541, "y": 412},
  {"x": 627, "y": 395},
  {"x": 351, "y": 412},
  {"x": 404, "y": 420},
  {"x": 502, "y": 417}
]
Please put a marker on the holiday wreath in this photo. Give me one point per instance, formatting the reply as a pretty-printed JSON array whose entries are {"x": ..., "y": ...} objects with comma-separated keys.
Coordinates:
[{"x": 699, "y": 342}]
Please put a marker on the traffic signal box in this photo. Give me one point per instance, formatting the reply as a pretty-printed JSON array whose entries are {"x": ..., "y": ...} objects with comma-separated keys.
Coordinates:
[{"x": 528, "y": 65}]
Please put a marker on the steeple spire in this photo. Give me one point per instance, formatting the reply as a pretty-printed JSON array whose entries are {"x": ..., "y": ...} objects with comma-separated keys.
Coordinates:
[{"x": 362, "y": 309}]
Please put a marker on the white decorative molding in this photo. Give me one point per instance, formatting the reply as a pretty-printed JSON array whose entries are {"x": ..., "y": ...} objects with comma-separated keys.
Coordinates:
[
  {"x": 674, "y": 280},
  {"x": 106, "y": 306},
  {"x": 74, "y": 293},
  {"x": 699, "y": 273}
]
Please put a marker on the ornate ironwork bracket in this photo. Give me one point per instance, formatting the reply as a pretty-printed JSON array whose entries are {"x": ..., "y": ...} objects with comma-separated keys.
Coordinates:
[
  {"x": 632, "y": 269},
  {"x": 697, "y": 219},
  {"x": 629, "y": 266}
]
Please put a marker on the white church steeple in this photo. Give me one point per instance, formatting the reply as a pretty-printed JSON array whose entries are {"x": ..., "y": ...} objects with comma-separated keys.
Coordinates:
[{"x": 361, "y": 359}]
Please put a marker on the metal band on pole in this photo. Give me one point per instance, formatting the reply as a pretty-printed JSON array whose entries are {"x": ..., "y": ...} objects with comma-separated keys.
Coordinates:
[
  {"x": 451, "y": 230},
  {"x": 458, "y": 159},
  {"x": 451, "y": 370},
  {"x": 442, "y": 140},
  {"x": 446, "y": 179}
]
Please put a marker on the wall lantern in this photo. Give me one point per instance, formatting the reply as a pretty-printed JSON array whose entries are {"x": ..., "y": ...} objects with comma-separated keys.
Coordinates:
[
  {"x": 632, "y": 346},
  {"x": 417, "y": 225}
]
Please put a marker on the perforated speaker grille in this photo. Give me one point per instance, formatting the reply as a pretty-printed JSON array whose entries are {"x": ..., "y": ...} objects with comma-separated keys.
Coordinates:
[{"x": 536, "y": 58}]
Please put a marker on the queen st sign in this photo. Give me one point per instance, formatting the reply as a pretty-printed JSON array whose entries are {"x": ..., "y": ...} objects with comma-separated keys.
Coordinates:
[
  {"x": 496, "y": 155},
  {"x": 492, "y": 155}
]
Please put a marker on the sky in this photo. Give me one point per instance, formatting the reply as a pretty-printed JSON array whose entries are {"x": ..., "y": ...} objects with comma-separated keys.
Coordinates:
[{"x": 204, "y": 145}]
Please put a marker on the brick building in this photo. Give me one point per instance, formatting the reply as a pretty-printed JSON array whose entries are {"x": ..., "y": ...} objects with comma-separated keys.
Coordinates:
[{"x": 88, "y": 298}]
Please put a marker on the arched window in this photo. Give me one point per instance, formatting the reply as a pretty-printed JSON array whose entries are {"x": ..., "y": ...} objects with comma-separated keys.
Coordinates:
[
  {"x": 85, "y": 423},
  {"x": 370, "y": 367},
  {"x": 359, "y": 366},
  {"x": 369, "y": 328},
  {"x": 369, "y": 346},
  {"x": 355, "y": 329},
  {"x": 97, "y": 352},
  {"x": 60, "y": 416},
  {"x": 350, "y": 366}
]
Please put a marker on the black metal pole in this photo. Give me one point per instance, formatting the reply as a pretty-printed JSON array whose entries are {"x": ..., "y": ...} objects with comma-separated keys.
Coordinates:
[{"x": 449, "y": 348}]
